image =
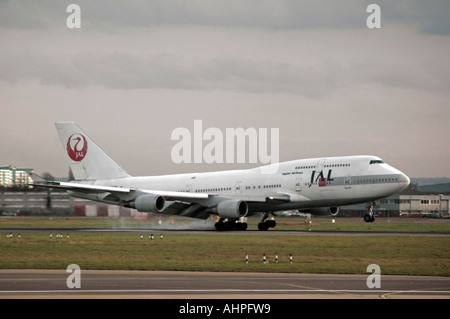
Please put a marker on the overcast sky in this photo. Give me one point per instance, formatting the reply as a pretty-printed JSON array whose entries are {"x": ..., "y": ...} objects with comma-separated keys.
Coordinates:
[{"x": 137, "y": 70}]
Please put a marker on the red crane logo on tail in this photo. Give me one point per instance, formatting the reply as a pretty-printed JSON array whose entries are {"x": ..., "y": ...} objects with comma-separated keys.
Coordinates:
[{"x": 77, "y": 147}]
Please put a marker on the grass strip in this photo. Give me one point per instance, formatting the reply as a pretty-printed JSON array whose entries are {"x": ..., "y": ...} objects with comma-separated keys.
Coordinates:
[{"x": 402, "y": 255}]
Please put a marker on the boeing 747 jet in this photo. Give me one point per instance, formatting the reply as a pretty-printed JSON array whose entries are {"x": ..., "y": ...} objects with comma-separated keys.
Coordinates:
[{"x": 315, "y": 185}]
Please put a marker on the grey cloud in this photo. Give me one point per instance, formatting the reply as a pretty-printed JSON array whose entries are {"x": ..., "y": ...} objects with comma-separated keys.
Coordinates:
[
  {"x": 242, "y": 13},
  {"x": 134, "y": 70},
  {"x": 311, "y": 68},
  {"x": 428, "y": 17},
  {"x": 29, "y": 14}
]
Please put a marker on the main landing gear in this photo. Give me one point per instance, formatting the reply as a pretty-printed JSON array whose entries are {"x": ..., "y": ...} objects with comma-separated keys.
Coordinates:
[
  {"x": 230, "y": 224},
  {"x": 227, "y": 224},
  {"x": 266, "y": 223},
  {"x": 370, "y": 217}
]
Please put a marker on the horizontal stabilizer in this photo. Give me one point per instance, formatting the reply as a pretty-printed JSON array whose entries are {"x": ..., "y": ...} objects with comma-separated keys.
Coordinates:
[{"x": 36, "y": 178}]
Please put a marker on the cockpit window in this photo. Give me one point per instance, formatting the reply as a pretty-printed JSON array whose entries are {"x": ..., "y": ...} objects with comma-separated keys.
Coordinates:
[{"x": 376, "y": 162}]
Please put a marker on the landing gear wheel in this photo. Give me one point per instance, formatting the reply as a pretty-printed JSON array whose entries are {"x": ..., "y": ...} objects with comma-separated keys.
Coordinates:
[
  {"x": 265, "y": 224},
  {"x": 241, "y": 226},
  {"x": 230, "y": 225},
  {"x": 222, "y": 226},
  {"x": 370, "y": 217}
]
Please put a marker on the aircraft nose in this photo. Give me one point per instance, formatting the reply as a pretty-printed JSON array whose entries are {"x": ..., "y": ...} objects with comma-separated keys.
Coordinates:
[{"x": 404, "y": 181}]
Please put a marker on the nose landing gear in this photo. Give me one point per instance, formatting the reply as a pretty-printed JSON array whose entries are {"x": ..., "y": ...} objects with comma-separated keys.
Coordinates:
[{"x": 370, "y": 217}]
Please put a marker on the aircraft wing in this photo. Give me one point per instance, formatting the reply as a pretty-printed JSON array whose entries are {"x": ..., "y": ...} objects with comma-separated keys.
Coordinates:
[
  {"x": 176, "y": 203},
  {"x": 79, "y": 187},
  {"x": 82, "y": 187},
  {"x": 196, "y": 205}
]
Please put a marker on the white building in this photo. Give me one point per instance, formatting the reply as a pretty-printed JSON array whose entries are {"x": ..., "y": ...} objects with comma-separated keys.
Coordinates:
[
  {"x": 411, "y": 204},
  {"x": 11, "y": 176}
]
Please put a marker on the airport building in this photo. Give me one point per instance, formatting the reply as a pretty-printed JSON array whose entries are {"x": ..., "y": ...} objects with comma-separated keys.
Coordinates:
[
  {"x": 405, "y": 205},
  {"x": 56, "y": 203},
  {"x": 426, "y": 201},
  {"x": 11, "y": 176}
]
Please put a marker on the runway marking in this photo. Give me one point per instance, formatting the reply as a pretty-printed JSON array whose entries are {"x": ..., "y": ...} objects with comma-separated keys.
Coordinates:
[
  {"x": 308, "y": 288},
  {"x": 387, "y": 294}
]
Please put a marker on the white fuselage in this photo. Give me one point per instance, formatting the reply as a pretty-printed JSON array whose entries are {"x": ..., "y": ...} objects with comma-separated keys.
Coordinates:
[{"x": 308, "y": 183}]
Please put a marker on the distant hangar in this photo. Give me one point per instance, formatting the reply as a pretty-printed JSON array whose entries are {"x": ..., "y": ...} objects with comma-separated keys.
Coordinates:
[{"x": 425, "y": 201}]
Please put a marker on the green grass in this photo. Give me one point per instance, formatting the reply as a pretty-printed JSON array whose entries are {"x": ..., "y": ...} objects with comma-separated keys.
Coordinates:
[
  {"x": 223, "y": 252},
  {"x": 405, "y": 255}
]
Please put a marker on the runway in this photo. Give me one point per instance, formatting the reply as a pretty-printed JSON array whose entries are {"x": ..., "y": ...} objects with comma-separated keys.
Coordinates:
[{"x": 212, "y": 285}]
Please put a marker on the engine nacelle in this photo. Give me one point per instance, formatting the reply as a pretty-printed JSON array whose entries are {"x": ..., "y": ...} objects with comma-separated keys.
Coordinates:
[
  {"x": 150, "y": 203},
  {"x": 333, "y": 211},
  {"x": 232, "y": 209}
]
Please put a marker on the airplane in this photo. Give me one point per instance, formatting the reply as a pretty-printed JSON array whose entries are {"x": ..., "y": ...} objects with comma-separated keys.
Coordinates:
[{"x": 317, "y": 185}]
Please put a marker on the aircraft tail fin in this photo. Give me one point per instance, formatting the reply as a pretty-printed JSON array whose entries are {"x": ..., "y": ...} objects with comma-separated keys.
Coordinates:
[{"x": 87, "y": 160}]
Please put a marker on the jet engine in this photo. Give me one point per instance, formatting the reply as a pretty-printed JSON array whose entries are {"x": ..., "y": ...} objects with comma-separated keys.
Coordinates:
[
  {"x": 333, "y": 211},
  {"x": 150, "y": 203},
  {"x": 232, "y": 209}
]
